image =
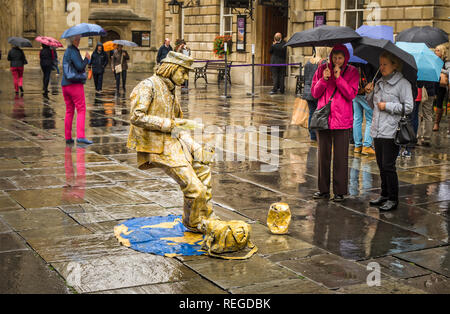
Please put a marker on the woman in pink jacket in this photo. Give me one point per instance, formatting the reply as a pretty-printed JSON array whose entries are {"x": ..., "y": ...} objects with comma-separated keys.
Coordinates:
[{"x": 339, "y": 75}]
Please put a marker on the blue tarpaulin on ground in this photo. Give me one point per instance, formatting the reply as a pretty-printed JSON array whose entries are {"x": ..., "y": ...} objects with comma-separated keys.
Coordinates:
[{"x": 161, "y": 235}]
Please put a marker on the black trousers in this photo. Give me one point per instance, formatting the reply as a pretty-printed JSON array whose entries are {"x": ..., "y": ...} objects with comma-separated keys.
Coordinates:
[
  {"x": 333, "y": 143},
  {"x": 47, "y": 71},
  {"x": 386, "y": 153},
  {"x": 278, "y": 74},
  {"x": 98, "y": 81},
  {"x": 124, "y": 79}
]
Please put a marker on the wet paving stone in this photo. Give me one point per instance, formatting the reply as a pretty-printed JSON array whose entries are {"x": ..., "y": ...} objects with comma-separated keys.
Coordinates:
[
  {"x": 78, "y": 248},
  {"x": 346, "y": 233},
  {"x": 113, "y": 196},
  {"x": 196, "y": 285},
  {"x": 7, "y": 184},
  {"x": 151, "y": 185},
  {"x": 46, "y": 197},
  {"x": 8, "y": 204},
  {"x": 50, "y": 232},
  {"x": 11, "y": 242},
  {"x": 38, "y": 182},
  {"x": 397, "y": 268},
  {"x": 328, "y": 270},
  {"x": 114, "y": 272},
  {"x": 432, "y": 283},
  {"x": 234, "y": 274},
  {"x": 437, "y": 259},
  {"x": 36, "y": 219},
  {"x": 285, "y": 286},
  {"x": 4, "y": 227},
  {"x": 240, "y": 195},
  {"x": 386, "y": 286},
  {"x": 23, "y": 272},
  {"x": 438, "y": 208}
]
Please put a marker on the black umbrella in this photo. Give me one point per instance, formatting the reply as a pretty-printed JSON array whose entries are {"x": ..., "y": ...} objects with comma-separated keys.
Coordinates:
[
  {"x": 19, "y": 42},
  {"x": 324, "y": 35},
  {"x": 431, "y": 36},
  {"x": 370, "y": 50}
]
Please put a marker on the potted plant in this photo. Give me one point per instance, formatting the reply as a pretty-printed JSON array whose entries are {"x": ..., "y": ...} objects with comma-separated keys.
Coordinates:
[{"x": 219, "y": 47}]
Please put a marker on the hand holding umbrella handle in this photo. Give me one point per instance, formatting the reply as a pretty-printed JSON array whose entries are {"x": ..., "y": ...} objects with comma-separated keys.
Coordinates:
[
  {"x": 369, "y": 88},
  {"x": 326, "y": 74}
]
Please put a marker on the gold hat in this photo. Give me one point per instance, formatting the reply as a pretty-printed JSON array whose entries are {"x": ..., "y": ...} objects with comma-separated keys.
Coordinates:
[{"x": 180, "y": 59}]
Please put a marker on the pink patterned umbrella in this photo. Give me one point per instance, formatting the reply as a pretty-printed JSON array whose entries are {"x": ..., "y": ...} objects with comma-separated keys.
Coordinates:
[{"x": 49, "y": 41}]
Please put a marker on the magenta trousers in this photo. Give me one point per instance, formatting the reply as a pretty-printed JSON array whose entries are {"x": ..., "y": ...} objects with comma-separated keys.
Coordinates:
[
  {"x": 17, "y": 73},
  {"x": 74, "y": 99}
]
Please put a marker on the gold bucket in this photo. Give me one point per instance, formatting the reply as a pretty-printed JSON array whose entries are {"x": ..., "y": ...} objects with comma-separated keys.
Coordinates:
[{"x": 279, "y": 218}]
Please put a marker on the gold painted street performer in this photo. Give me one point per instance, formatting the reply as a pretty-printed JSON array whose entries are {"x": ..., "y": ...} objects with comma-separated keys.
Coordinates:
[{"x": 159, "y": 134}]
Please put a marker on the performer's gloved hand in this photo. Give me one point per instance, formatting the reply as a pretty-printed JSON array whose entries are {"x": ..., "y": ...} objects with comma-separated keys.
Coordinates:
[{"x": 204, "y": 155}]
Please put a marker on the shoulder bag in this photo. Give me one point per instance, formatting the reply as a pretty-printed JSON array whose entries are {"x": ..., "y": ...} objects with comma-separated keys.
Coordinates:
[
  {"x": 118, "y": 68},
  {"x": 405, "y": 133}
]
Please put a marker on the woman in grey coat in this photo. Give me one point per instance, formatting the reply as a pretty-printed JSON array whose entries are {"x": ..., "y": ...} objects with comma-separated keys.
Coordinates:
[{"x": 387, "y": 98}]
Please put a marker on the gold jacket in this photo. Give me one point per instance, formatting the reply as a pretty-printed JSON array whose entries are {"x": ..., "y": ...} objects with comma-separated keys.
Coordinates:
[{"x": 154, "y": 107}]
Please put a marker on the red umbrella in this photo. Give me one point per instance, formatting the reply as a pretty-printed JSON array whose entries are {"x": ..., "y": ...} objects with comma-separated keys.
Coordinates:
[{"x": 49, "y": 41}]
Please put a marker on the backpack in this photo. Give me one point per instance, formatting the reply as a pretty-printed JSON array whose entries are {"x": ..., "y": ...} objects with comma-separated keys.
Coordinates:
[{"x": 225, "y": 237}]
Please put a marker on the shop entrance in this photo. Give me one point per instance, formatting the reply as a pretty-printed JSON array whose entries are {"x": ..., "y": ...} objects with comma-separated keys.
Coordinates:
[{"x": 275, "y": 20}]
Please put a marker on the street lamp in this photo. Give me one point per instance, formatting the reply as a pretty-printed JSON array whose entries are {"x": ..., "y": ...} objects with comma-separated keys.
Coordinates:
[{"x": 174, "y": 5}]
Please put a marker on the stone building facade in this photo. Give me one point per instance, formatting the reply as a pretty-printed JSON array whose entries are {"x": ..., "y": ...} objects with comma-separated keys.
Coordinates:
[
  {"x": 148, "y": 22},
  {"x": 123, "y": 19},
  {"x": 200, "y": 23}
]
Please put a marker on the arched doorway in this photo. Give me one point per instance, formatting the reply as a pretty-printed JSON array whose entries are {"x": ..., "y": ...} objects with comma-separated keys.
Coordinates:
[
  {"x": 110, "y": 35},
  {"x": 275, "y": 20}
]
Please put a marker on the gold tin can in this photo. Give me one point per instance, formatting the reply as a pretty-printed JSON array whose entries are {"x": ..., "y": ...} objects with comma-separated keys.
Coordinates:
[{"x": 279, "y": 218}]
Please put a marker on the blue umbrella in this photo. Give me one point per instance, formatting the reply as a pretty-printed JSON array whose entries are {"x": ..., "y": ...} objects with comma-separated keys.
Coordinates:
[
  {"x": 371, "y": 31},
  {"x": 428, "y": 64},
  {"x": 125, "y": 43},
  {"x": 85, "y": 30}
]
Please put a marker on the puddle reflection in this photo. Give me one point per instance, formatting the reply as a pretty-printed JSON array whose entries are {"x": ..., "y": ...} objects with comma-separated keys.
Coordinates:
[{"x": 75, "y": 180}]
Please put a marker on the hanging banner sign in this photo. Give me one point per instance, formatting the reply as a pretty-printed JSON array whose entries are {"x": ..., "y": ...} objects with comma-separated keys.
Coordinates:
[{"x": 240, "y": 34}]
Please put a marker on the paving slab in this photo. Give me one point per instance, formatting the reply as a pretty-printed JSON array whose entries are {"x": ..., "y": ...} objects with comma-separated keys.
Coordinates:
[
  {"x": 229, "y": 274},
  {"x": 386, "y": 286},
  {"x": 437, "y": 259},
  {"x": 24, "y": 272},
  {"x": 397, "y": 268},
  {"x": 47, "y": 197},
  {"x": 10, "y": 241},
  {"x": 114, "y": 272},
  {"x": 328, "y": 270},
  {"x": 433, "y": 283},
  {"x": 196, "y": 285},
  {"x": 37, "y": 219},
  {"x": 113, "y": 196},
  {"x": 284, "y": 286}
]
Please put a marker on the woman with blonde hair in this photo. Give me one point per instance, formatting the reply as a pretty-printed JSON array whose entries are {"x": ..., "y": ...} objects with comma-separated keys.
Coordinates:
[
  {"x": 390, "y": 94},
  {"x": 442, "y": 92},
  {"x": 319, "y": 57}
]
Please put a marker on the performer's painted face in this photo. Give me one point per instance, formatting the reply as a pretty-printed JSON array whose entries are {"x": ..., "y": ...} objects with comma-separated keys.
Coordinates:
[{"x": 180, "y": 75}]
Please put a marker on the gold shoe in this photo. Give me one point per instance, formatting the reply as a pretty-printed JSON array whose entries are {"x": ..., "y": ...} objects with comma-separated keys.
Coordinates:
[
  {"x": 368, "y": 151},
  {"x": 357, "y": 149}
]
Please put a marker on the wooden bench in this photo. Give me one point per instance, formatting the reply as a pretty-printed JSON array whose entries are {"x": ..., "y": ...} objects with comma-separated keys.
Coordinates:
[{"x": 213, "y": 67}]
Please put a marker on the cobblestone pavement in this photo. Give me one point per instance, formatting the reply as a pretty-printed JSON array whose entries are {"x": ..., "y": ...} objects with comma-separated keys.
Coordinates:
[{"x": 59, "y": 204}]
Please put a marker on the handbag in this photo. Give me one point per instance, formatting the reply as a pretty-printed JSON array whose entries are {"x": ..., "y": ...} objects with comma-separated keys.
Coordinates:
[
  {"x": 319, "y": 119},
  {"x": 405, "y": 133},
  {"x": 118, "y": 68},
  {"x": 300, "y": 114},
  {"x": 90, "y": 74},
  {"x": 72, "y": 74}
]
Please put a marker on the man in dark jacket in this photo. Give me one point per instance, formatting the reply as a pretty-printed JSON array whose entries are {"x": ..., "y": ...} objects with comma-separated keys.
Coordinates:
[
  {"x": 98, "y": 62},
  {"x": 163, "y": 50},
  {"x": 46, "y": 60},
  {"x": 278, "y": 52}
]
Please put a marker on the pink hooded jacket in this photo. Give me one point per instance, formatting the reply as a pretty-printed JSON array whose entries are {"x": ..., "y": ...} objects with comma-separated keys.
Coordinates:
[{"x": 341, "y": 113}]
